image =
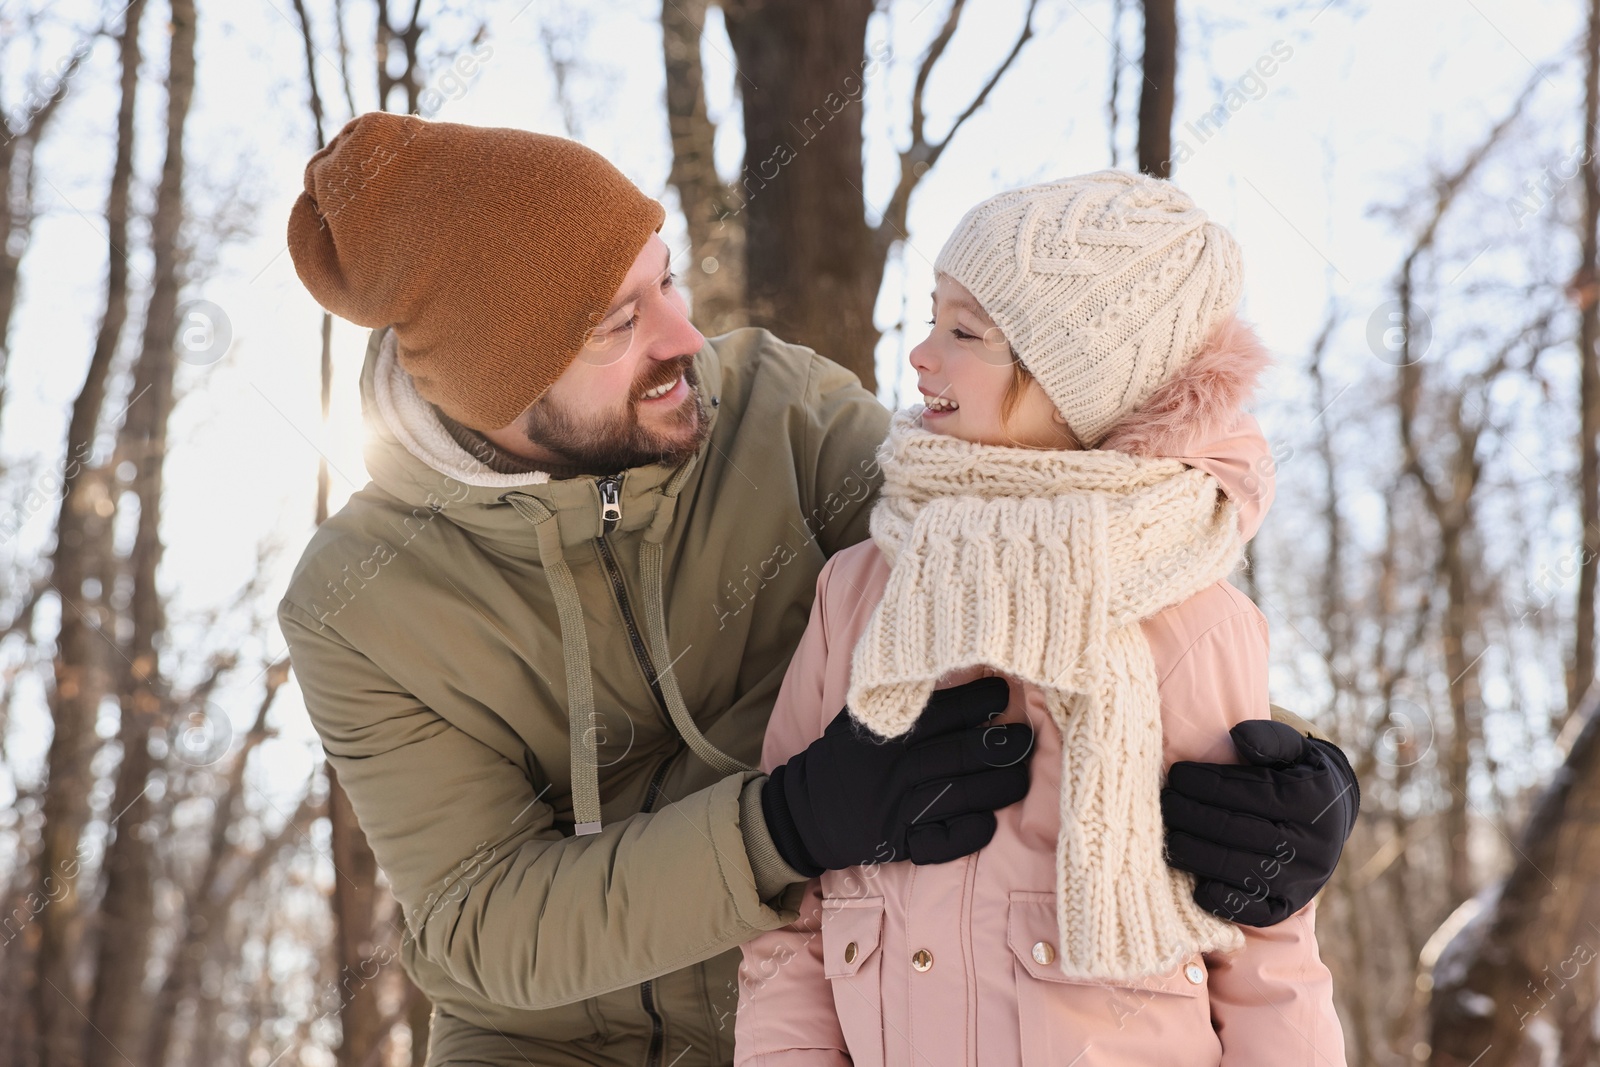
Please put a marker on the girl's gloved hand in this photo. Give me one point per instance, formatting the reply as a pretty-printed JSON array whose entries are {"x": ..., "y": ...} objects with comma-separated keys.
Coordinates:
[
  {"x": 1263, "y": 837},
  {"x": 928, "y": 796}
]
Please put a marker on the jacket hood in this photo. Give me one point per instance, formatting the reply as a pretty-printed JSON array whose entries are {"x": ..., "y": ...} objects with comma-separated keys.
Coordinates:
[
  {"x": 409, "y": 420},
  {"x": 411, "y": 456},
  {"x": 1196, "y": 417}
]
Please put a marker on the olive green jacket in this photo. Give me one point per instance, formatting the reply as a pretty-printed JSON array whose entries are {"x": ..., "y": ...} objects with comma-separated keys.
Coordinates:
[{"x": 445, "y": 623}]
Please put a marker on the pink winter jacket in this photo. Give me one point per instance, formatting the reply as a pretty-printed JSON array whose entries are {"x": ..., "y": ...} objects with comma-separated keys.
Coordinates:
[{"x": 839, "y": 985}]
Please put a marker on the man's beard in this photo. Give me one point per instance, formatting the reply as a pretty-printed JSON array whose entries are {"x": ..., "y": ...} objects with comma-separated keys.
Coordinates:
[{"x": 610, "y": 443}]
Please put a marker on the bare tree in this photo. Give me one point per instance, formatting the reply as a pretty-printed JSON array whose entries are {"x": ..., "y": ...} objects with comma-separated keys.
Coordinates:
[
  {"x": 409, "y": 38},
  {"x": 1449, "y": 498},
  {"x": 1533, "y": 942},
  {"x": 116, "y": 1019},
  {"x": 1586, "y": 287},
  {"x": 357, "y": 899},
  {"x": 1398, "y": 612},
  {"x": 808, "y": 251},
  {"x": 220, "y": 883},
  {"x": 1114, "y": 92},
  {"x": 82, "y": 675},
  {"x": 715, "y": 273},
  {"x": 1158, "y": 95},
  {"x": 1537, "y": 933},
  {"x": 813, "y": 263},
  {"x": 326, "y": 365}
]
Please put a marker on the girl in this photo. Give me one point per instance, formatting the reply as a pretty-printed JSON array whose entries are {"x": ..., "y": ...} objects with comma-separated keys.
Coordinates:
[{"x": 1062, "y": 512}]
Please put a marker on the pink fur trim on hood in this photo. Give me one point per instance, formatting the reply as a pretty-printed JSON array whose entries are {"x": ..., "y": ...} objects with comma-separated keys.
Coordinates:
[
  {"x": 1197, "y": 416},
  {"x": 1200, "y": 400}
]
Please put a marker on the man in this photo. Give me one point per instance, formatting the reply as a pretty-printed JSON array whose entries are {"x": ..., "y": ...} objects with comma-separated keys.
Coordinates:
[{"x": 541, "y": 646}]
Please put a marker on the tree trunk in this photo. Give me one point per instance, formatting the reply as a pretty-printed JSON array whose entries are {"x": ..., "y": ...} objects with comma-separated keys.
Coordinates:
[
  {"x": 1578, "y": 1044},
  {"x": 1537, "y": 934},
  {"x": 1588, "y": 289},
  {"x": 1158, "y": 95},
  {"x": 1460, "y": 665},
  {"x": 18, "y": 1026},
  {"x": 812, "y": 274},
  {"x": 205, "y": 911},
  {"x": 80, "y": 668},
  {"x": 326, "y": 398},
  {"x": 355, "y": 900},
  {"x": 1450, "y": 502},
  {"x": 326, "y": 363},
  {"x": 715, "y": 272},
  {"x": 419, "y": 1018},
  {"x": 356, "y": 895},
  {"x": 115, "y": 1017}
]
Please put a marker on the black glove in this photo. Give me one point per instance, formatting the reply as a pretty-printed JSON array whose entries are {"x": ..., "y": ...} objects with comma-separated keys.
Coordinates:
[
  {"x": 1263, "y": 838},
  {"x": 927, "y": 796}
]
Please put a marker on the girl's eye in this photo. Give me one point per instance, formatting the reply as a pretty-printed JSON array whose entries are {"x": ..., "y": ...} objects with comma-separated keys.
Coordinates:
[
  {"x": 963, "y": 335},
  {"x": 930, "y": 322}
]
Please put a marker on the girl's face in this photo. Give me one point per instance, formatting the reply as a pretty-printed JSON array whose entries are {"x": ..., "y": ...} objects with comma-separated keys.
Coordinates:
[{"x": 964, "y": 370}]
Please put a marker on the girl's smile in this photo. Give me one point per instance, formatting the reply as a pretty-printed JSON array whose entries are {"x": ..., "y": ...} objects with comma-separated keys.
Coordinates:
[{"x": 972, "y": 384}]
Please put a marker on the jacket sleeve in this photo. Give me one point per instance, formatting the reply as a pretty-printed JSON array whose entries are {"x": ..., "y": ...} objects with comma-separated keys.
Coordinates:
[
  {"x": 786, "y": 1015},
  {"x": 1272, "y": 1001},
  {"x": 492, "y": 892},
  {"x": 840, "y": 480}
]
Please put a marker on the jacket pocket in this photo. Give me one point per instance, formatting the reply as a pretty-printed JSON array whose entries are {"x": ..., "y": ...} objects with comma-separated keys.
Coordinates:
[
  {"x": 1162, "y": 1018},
  {"x": 852, "y": 929}
]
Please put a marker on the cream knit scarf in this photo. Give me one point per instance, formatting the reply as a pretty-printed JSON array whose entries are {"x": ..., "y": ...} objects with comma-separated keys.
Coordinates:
[{"x": 1040, "y": 564}]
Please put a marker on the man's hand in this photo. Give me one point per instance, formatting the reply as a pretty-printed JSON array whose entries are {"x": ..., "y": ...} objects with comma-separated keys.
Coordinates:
[
  {"x": 928, "y": 796},
  {"x": 1264, "y": 837}
]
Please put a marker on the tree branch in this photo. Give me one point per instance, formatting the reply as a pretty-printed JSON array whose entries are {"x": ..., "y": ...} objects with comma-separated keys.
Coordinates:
[{"x": 922, "y": 154}]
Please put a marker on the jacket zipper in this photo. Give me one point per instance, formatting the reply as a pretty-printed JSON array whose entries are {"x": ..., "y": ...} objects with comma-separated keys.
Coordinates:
[
  {"x": 652, "y": 1057},
  {"x": 660, "y": 776},
  {"x": 610, "y": 516},
  {"x": 610, "y": 503}
]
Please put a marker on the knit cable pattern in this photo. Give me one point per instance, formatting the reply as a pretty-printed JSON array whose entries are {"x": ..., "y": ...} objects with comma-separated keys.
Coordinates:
[
  {"x": 1104, "y": 284},
  {"x": 1040, "y": 565}
]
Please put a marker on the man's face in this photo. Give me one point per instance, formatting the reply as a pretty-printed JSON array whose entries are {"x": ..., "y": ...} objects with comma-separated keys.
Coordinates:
[{"x": 632, "y": 396}]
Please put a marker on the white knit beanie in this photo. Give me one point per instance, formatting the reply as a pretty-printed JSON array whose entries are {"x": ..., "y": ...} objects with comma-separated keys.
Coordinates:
[{"x": 1105, "y": 284}]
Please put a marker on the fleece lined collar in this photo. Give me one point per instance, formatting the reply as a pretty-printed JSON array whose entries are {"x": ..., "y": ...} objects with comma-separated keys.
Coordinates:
[{"x": 416, "y": 425}]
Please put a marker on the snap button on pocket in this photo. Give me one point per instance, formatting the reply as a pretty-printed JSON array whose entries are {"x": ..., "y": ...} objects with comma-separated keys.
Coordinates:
[
  {"x": 852, "y": 961},
  {"x": 921, "y": 960},
  {"x": 1195, "y": 973},
  {"x": 851, "y": 931},
  {"x": 1033, "y": 936}
]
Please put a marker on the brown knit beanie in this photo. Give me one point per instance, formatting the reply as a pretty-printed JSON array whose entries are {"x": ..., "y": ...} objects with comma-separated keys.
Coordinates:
[{"x": 492, "y": 252}]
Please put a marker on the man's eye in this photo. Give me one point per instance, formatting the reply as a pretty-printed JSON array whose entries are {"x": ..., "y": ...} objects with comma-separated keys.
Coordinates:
[{"x": 666, "y": 283}]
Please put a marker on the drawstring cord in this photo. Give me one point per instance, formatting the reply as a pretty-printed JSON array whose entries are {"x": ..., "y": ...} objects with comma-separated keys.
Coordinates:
[
  {"x": 584, "y": 757},
  {"x": 656, "y": 632}
]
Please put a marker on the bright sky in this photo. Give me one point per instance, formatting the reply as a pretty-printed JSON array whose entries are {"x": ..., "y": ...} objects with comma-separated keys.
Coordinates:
[{"x": 1360, "y": 99}]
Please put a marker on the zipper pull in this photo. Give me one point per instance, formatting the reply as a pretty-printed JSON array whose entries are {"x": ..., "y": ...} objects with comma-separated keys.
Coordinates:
[{"x": 610, "y": 503}]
